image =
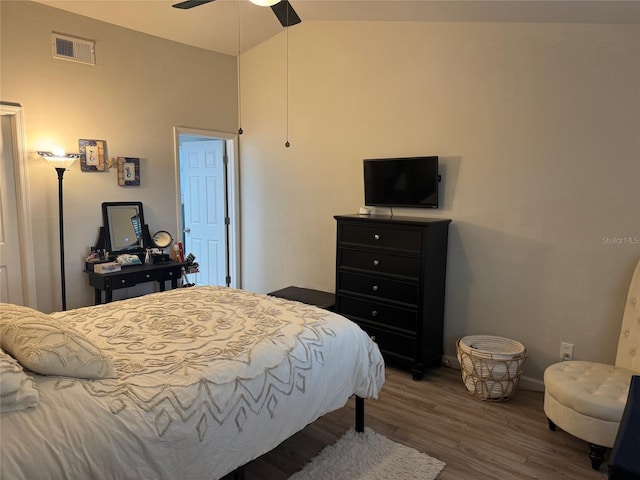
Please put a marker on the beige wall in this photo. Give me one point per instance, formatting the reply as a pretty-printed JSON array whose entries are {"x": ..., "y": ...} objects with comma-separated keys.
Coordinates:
[
  {"x": 139, "y": 89},
  {"x": 537, "y": 127}
]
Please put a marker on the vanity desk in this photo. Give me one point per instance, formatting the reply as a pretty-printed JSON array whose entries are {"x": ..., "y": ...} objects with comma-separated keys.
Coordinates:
[
  {"x": 133, "y": 275},
  {"x": 124, "y": 231}
]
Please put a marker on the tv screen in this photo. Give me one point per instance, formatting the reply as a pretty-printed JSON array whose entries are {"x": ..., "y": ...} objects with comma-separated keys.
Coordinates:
[{"x": 401, "y": 182}]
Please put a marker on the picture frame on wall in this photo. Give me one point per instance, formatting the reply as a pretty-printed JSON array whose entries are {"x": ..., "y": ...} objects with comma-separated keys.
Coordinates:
[
  {"x": 93, "y": 154},
  {"x": 128, "y": 171}
]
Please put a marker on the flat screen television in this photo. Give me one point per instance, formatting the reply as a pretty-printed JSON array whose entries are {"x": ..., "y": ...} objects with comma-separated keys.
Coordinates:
[{"x": 401, "y": 182}]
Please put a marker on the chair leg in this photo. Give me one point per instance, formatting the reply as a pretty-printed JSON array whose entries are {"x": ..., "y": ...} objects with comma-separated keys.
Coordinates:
[{"x": 596, "y": 454}]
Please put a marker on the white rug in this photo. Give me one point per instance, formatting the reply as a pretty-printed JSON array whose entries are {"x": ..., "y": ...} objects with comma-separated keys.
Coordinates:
[{"x": 369, "y": 456}]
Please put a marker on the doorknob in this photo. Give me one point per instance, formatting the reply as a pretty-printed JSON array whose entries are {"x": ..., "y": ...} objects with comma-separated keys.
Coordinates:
[{"x": 187, "y": 230}]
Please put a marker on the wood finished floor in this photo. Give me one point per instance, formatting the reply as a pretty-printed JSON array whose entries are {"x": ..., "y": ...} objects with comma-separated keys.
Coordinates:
[{"x": 478, "y": 440}]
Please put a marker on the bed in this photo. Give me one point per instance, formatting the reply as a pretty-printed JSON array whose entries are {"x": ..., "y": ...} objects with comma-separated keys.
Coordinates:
[{"x": 186, "y": 384}]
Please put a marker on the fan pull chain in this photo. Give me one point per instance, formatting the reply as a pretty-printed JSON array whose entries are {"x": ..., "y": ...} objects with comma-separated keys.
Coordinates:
[
  {"x": 238, "y": 74},
  {"x": 287, "y": 144}
]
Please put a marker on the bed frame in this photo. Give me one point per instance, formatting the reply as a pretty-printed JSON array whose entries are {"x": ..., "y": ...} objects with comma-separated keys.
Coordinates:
[{"x": 238, "y": 473}]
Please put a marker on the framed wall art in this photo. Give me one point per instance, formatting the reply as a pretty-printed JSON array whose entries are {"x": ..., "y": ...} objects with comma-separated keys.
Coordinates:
[
  {"x": 93, "y": 153},
  {"x": 128, "y": 171}
]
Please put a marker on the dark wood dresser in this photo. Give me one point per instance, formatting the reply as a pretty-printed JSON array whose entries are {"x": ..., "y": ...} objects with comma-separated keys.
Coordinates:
[{"x": 390, "y": 279}]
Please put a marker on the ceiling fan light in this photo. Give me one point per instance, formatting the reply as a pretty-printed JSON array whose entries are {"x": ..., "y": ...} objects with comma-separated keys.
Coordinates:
[{"x": 264, "y": 3}]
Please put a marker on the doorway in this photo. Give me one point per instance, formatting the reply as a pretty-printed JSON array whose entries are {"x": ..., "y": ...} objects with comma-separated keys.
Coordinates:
[
  {"x": 208, "y": 204},
  {"x": 17, "y": 265}
]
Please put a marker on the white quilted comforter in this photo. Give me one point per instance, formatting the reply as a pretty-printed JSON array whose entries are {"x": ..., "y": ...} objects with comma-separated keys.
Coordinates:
[{"x": 208, "y": 378}]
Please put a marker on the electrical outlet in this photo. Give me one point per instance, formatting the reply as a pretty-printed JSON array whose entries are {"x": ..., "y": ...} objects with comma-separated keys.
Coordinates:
[{"x": 566, "y": 351}]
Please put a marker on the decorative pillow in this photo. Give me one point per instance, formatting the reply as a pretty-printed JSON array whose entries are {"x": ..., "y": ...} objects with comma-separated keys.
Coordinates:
[
  {"x": 17, "y": 390},
  {"x": 47, "y": 346}
]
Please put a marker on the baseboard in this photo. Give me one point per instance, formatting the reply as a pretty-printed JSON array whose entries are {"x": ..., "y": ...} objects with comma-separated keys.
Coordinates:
[{"x": 526, "y": 383}]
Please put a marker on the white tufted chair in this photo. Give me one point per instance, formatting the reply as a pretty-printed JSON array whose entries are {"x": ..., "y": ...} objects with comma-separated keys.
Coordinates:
[{"x": 586, "y": 399}]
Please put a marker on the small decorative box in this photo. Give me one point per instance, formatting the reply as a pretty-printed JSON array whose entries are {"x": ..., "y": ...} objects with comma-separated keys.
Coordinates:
[{"x": 108, "y": 267}]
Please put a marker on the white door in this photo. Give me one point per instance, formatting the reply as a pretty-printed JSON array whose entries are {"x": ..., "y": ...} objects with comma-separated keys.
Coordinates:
[{"x": 202, "y": 185}]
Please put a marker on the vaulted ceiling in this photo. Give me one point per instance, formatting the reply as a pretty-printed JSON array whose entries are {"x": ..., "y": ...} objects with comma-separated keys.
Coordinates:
[{"x": 214, "y": 26}]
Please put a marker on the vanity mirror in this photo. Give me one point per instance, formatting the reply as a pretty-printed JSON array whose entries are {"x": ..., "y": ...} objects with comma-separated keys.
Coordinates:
[{"x": 124, "y": 229}]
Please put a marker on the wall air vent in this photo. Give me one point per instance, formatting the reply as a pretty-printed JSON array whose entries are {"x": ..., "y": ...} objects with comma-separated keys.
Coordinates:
[{"x": 74, "y": 49}]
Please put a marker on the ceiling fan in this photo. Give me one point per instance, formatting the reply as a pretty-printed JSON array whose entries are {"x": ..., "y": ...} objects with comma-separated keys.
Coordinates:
[{"x": 282, "y": 8}]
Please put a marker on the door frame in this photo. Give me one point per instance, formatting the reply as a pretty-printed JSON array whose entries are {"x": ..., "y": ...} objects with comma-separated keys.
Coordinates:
[
  {"x": 232, "y": 190},
  {"x": 23, "y": 204}
]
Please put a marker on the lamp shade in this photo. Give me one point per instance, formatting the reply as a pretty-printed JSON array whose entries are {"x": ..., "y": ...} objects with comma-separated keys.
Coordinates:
[
  {"x": 264, "y": 3},
  {"x": 62, "y": 160}
]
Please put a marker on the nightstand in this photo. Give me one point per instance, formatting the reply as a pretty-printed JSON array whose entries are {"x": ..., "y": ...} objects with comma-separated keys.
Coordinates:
[{"x": 309, "y": 296}]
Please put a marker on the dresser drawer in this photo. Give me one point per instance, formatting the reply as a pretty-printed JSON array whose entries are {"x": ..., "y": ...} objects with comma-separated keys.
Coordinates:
[
  {"x": 377, "y": 262},
  {"x": 408, "y": 239},
  {"x": 394, "y": 290},
  {"x": 396, "y": 344},
  {"x": 387, "y": 315}
]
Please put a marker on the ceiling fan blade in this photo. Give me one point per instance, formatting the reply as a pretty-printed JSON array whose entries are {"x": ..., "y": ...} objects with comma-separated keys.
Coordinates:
[
  {"x": 285, "y": 13},
  {"x": 190, "y": 4}
]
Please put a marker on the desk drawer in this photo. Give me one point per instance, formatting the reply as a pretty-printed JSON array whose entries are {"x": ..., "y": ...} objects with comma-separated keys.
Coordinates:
[
  {"x": 113, "y": 282},
  {"x": 147, "y": 276},
  {"x": 171, "y": 274},
  {"x": 405, "y": 292},
  {"x": 379, "y": 262},
  {"x": 373, "y": 312},
  {"x": 408, "y": 239}
]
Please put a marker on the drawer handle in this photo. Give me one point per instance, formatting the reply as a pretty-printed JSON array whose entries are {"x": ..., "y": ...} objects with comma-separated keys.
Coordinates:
[
  {"x": 375, "y": 288},
  {"x": 123, "y": 281},
  {"x": 376, "y": 237},
  {"x": 376, "y": 262},
  {"x": 148, "y": 275},
  {"x": 171, "y": 274},
  {"x": 374, "y": 313}
]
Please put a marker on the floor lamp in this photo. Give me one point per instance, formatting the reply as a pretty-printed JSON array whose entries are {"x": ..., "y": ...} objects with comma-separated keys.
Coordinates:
[{"x": 61, "y": 162}]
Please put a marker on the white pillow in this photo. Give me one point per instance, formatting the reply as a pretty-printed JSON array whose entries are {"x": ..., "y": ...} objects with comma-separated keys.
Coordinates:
[
  {"x": 47, "y": 346},
  {"x": 17, "y": 390}
]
